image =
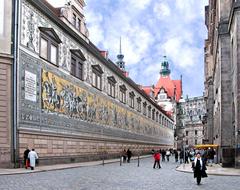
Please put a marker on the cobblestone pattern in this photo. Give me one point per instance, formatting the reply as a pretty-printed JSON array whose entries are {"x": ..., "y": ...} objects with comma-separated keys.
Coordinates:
[{"x": 114, "y": 177}]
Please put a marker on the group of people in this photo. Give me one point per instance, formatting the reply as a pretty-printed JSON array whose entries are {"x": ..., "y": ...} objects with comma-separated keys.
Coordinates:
[
  {"x": 208, "y": 155},
  {"x": 126, "y": 155},
  {"x": 30, "y": 158},
  {"x": 198, "y": 163}
]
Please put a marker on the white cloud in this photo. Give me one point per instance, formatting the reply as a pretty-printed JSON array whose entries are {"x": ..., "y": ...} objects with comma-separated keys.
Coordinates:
[
  {"x": 161, "y": 10},
  {"x": 148, "y": 28},
  {"x": 137, "y": 4}
]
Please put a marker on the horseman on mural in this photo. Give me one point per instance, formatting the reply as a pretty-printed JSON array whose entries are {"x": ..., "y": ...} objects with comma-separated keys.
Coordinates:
[{"x": 62, "y": 97}]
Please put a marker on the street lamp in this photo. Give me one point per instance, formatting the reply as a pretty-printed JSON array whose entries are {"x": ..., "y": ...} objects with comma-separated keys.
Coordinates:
[{"x": 184, "y": 156}]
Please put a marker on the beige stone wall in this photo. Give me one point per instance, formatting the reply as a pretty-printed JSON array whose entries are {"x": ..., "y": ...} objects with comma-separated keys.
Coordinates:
[
  {"x": 5, "y": 111},
  {"x": 54, "y": 149}
]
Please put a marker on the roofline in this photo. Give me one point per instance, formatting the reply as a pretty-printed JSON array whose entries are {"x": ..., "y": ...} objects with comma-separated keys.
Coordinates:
[{"x": 48, "y": 11}]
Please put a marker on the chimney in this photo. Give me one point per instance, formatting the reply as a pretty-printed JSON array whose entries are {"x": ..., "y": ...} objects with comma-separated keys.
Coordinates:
[
  {"x": 104, "y": 54},
  {"x": 126, "y": 73}
]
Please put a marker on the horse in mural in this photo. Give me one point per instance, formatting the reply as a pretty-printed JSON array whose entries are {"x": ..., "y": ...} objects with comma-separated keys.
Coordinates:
[{"x": 52, "y": 99}]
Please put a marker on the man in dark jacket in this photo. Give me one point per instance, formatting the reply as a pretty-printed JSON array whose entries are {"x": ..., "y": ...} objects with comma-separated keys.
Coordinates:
[
  {"x": 129, "y": 155},
  {"x": 26, "y": 160}
]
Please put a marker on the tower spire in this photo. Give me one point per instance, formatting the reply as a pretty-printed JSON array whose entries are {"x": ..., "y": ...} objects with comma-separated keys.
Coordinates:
[
  {"x": 120, "y": 63},
  {"x": 165, "y": 71}
]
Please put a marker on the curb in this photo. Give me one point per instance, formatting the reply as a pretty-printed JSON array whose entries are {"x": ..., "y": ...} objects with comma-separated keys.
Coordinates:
[
  {"x": 215, "y": 174},
  {"x": 81, "y": 164}
]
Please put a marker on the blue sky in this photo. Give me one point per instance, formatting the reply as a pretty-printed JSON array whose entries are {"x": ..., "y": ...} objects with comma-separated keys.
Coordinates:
[{"x": 150, "y": 29}]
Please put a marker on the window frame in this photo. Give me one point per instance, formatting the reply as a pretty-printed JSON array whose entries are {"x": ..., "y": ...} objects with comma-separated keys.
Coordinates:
[
  {"x": 139, "y": 104},
  {"x": 50, "y": 36},
  {"x": 97, "y": 73},
  {"x": 145, "y": 108},
  {"x": 122, "y": 91},
  {"x": 111, "y": 89},
  {"x": 79, "y": 63},
  {"x": 131, "y": 99}
]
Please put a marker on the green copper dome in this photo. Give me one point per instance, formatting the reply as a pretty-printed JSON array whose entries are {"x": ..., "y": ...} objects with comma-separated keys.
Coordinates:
[{"x": 165, "y": 71}]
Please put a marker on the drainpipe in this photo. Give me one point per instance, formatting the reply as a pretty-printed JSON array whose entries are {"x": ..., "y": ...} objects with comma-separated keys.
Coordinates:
[{"x": 14, "y": 81}]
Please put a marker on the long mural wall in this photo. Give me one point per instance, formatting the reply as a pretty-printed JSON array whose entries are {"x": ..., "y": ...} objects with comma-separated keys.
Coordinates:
[{"x": 52, "y": 100}]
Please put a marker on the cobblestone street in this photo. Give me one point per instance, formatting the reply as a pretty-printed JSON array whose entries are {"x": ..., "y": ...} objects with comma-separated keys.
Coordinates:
[{"x": 114, "y": 177}]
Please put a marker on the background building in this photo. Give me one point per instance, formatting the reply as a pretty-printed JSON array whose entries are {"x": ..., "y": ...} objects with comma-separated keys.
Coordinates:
[
  {"x": 189, "y": 126},
  {"x": 166, "y": 92},
  {"x": 222, "y": 78}
]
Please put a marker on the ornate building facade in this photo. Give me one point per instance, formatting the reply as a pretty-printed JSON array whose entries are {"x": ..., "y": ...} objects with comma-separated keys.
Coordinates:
[
  {"x": 189, "y": 127},
  {"x": 166, "y": 92},
  {"x": 73, "y": 103},
  {"x": 222, "y": 78}
]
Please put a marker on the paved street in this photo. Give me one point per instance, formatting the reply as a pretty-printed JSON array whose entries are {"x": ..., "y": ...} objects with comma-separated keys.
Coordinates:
[{"x": 114, "y": 177}]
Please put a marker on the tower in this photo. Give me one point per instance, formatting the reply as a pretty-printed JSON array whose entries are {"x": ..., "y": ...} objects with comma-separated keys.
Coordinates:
[
  {"x": 165, "y": 71},
  {"x": 120, "y": 56}
]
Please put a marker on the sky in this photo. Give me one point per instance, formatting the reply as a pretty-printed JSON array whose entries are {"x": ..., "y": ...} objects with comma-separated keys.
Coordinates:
[{"x": 150, "y": 29}]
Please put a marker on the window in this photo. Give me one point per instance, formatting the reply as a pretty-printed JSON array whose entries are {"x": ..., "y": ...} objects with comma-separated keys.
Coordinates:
[
  {"x": 111, "y": 86},
  {"x": 122, "y": 92},
  {"x": 131, "y": 99},
  {"x": 74, "y": 20},
  {"x": 157, "y": 115},
  {"x": 153, "y": 114},
  {"x": 149, "y": 111},
  {"x": 195, "y": 141},
  {"x": 144, "y": 108},
  {"x": 186, "y": 133},
  {"x": 186, "y": 142},
  {"x": 97, "y": 76},
  {"x": 49, "y": 41},
  {"x": 195, "y": 132},
  {"x": 77, "y": 59},
  {"x": 79, "y": 24},
  {"x": 139, "y": 101}
]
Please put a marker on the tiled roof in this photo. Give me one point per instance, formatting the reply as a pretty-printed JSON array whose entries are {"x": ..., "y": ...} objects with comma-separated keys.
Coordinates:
[{"x": 169, "y": 85}]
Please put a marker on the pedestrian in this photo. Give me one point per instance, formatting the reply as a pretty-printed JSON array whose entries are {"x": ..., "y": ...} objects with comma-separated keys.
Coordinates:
[
  {"x": 199, "y": 168},
  {"x": 176, "y": 155},
  {"x": 32, "y": 156},
  {"x": 129, "y": 155},
  {"x": 25, "y": 156},
  {"x": 210, "y": 155},
  {"x": 168, "y": 153},
  {"x": 163, "y": 155},
  {"x": 186, "y": 157},
  {"x": 157, "y": 158},
  {"x": 124, "y": 155},
  {"x": 181, "y": 156}
]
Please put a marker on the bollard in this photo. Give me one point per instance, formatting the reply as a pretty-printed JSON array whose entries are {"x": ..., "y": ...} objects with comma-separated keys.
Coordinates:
[
  {"x": 138, "y": 161},
  {"x": 120, "y": 160},
  {"x": 103, "y": 160}
]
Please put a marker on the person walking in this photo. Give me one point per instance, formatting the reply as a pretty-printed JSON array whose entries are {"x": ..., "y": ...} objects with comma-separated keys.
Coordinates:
[
  {"x": 168, "y": 153},
  {"x": 32, "y": 156},
  {"x": 181, "y": 156},
  {"x": 176, "y": 155},
  {"x": 163, "y": 155},
  {"x": 157, "y": 158},
  {"x": 129, "y": 155},
  {"x": 124, "y": 156},
  {"x": 199, "y": 168},
  {"x": 25, "y": 156}
]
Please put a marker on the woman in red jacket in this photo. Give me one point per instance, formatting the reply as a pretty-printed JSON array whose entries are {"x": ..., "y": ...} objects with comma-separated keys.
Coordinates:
[{"x": 156, "y": 157}]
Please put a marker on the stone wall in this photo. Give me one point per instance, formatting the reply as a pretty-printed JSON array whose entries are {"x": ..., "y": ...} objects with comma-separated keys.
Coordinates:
[
  {"x": 5, "y": 111},
  {"x": 53, "y": 148}
]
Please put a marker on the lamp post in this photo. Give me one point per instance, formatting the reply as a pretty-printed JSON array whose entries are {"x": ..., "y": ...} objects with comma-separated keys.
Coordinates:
[{"x": 184, "y": 156}]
